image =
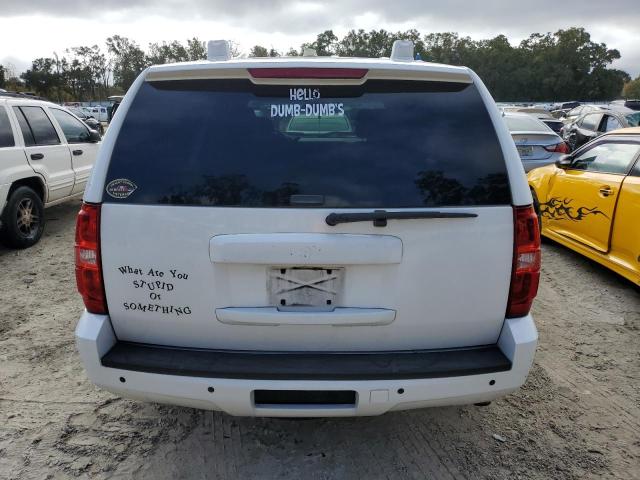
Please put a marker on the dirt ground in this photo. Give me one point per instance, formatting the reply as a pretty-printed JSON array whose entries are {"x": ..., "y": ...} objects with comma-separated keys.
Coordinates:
[{"x": 578, "y": 416}]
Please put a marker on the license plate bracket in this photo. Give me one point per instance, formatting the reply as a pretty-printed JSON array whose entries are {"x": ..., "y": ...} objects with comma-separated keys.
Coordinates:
[{"x": 305, "y": 287}]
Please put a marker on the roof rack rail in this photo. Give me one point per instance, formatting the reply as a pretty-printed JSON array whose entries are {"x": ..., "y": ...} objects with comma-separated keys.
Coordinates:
[{"x": 23, "y": 95}]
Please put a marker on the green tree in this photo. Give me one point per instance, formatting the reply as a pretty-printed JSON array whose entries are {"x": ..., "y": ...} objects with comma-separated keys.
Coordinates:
[
  {"x": 174, "y": 51},
  {"x": 448, "y": 47},
  {"x": 606, "y": 83},
  {"x": 2, "y": 77},
  {"x": 164, "y": 52},
  {"x": 196, "y": 49},
  {"x": 259, "y": 51},
  {"x": 75, "y": 78},
  {"x": 128, "y": 60},
  {"x": 567, "y": 64},
  {"x": 376, "y": 43},
  {"x": 326, "y": 43},
  {"x": 41, "y": 77},
  {"x": 563, "y": 65},
  {"x": 501, "y": 67},
  {"x": 632, "y": 89},
  {"x": 90, "y": 71}
]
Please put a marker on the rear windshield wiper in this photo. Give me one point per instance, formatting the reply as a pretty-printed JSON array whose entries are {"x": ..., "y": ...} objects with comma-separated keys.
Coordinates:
[{"x": 380, "y": 217}]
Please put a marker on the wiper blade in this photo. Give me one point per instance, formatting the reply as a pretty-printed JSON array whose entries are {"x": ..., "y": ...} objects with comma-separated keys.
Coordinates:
[{"x": 380, "y": 217}]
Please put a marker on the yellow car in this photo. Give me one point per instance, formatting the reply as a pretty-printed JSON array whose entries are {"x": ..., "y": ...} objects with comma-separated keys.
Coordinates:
[{"x": 589, "y": 201}]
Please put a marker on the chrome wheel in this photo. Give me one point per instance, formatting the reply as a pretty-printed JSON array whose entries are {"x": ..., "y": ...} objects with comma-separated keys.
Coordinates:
[{"x": 27, "y": 218}]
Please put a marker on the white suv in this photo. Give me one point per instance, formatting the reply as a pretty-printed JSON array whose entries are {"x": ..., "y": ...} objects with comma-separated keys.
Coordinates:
[
  {"x": 46, "y": 156},
  {"x": 308, "y": 237}
]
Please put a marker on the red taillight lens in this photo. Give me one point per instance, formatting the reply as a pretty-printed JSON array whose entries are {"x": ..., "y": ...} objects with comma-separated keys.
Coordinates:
[
  {"x": 525, "y": 273},
  {"x": 88, "y": 264},
  {"x": 558, "y": 148},
  {"x": 308, "y": 72}
]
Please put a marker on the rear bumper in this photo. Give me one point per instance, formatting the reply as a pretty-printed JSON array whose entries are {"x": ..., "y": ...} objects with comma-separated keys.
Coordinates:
[{"x": 381, "y": 381}]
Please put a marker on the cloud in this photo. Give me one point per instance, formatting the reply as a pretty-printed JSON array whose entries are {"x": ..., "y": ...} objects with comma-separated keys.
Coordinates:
[
  {"x": 294, "y": 16},
  {"x": 284, "y": 23}
]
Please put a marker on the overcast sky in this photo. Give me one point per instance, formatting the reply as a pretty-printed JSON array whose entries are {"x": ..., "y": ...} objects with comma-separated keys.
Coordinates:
[{"x": 55, "y": 25}]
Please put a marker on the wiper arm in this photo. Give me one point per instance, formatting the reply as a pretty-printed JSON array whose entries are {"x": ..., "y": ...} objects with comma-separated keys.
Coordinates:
[{"x": 380, "y": 217}]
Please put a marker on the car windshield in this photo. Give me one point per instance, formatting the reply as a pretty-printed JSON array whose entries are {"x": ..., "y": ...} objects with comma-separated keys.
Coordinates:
[
  {"x": 633, "y": 119},
  {"x": 525, "y": 123},
  {"x": 380, "y": 144}
]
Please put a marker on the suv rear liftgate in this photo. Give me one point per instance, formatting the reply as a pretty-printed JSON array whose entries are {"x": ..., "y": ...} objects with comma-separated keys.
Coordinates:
[{"x": 345, "y": 247}]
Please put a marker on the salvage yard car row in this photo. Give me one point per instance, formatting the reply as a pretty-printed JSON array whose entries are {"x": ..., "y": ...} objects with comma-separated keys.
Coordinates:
[
  {"x": 596, "y": 122},
  {"x": 584, "y": 122},
  {"x": 46, "y": 157}
]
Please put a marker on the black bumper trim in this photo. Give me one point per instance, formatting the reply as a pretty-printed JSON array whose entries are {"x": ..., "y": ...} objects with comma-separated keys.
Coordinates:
[{"x": 415, "y": 364}]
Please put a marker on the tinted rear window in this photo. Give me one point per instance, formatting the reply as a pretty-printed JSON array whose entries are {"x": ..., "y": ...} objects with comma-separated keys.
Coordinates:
[
  {"x": 591, "y": 121},
  {"x": 525, "y": 123},
  {"x": 27, "y": 135},
  {"x": 6, "y": 133},
  {"x": 381, "y": 144}
]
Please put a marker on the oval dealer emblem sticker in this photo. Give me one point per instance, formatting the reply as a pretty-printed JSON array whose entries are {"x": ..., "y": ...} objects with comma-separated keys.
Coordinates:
[{"x": 121, "y": 188}]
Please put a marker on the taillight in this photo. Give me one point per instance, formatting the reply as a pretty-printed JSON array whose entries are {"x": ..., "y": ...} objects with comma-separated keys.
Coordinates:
[
  {"x": 558, "y": 148},
  {"x": 525, "y": 273},
  {"x": 304, "y": 72},
  {"x": 88, "y": 262}
]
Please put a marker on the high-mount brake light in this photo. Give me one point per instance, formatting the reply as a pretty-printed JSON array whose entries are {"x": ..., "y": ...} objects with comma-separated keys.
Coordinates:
[
  {"x": 525, "y": 273},
  {"x": 88, "y": 261},
  {"x": 303, "y": 72}
]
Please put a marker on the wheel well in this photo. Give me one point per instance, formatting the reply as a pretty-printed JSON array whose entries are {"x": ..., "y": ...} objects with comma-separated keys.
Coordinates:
[{"x": 34, "y": 183}]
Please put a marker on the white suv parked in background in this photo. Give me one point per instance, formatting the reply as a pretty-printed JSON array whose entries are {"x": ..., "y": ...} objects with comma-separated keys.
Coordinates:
[
  {"x": 46, "y": 156},
  {"x": 308, "y": 237}
]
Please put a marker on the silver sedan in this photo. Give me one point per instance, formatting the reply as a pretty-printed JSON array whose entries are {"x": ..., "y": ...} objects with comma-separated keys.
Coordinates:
[{"x": 537, "y": 144}]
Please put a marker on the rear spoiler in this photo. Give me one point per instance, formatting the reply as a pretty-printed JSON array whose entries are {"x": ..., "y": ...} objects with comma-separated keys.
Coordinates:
[{"x": 377, "y": 70}]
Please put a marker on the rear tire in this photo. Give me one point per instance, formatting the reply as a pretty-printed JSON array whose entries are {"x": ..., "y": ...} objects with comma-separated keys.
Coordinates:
[{"x": 22, "y": 219}]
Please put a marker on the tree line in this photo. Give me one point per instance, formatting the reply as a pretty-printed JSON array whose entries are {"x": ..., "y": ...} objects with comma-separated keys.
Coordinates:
[{"x": 564, "y": 65}]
